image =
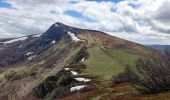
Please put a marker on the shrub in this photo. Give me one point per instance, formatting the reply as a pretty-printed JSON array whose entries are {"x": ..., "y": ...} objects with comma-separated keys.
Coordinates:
[
  {"x": 167, "y": 53},
  {"x": 81, "y": 54},
  {"x": 61, "y": 81},
  {"x": 44, "y": 88},
  {"x": 67, "y": 81},
  {"x": 154, "y": 75},
  {"x": 126, "y": 76}
]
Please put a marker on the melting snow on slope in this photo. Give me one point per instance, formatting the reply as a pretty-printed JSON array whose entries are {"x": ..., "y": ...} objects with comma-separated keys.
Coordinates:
[
  {"x": 37, "y": 35},
  {"x": 56, "y": 25},
  {"x": 74, "y": 73},
  {"x": 72, "y": 35},
  {"x": 15, "y": 40},
  {"x": 66, "y": 68},
  {"x": 53, "y": 42},
  {"x": 77, "y": 88},
  {"x": 83, "y": 59},
  {"x": 29, "y": 53},
  {"x": 82, "y": 79},
  {"x": 41, "y": 63},
  {"x": 31, "y": 57}
]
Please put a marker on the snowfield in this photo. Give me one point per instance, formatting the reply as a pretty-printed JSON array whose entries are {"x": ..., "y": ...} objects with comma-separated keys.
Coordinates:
[
  {"x": 31, "y": 57},
  {"x": 56, "y": 25},
  {"x": 29, "y": 53},
  {"x": 37, "y": 35},
  {"x": 53, "y": 42},
  {"x": 74, "y": 73},
  {"x": 72, "y": 35},
  {"x": 66, "y": 68},
  {"x": 15, "y": 40},
  {"x": 82, "y": 79},
  {"x": 77, "y": 88},
  {"x": 83, "y": 59}
]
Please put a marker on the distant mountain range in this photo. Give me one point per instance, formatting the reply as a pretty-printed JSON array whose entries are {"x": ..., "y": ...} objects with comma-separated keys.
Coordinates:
[{"x": 160, "y": 47}]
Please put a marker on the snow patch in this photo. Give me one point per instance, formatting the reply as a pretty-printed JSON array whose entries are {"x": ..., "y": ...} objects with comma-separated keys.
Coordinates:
[
  {"x": 53, "y": 42},
  {"x": 56, "y": 25},
  {"x": 29, "y": 53},
  {"x": 37, "y": 35},
  {"x": 82, "y": 79},
  {"x": 77, "y": 88},
  {"x": 66, "y": 68},
  {"x": 31, "y": 57},
  {"x": 83, "y": 59},
  {"x": 41, "y": 63},
  {"x": 73, "y": 37},
  {"x": 74, "y": 73},
  {"x": 15, "y": 40}
]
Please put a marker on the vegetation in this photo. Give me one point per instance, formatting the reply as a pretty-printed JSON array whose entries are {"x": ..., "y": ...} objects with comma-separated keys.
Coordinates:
[
  {"x": 127, "y": 75},
  {"x": 99, "y": 63},
  {"x": 19, "y": 73},
  {"x": 80, "y": 55},
  {"x": 152, "y": 75},
  {"x": 123, "y": 57},
  {"x": 60, "y": 84},
  {"x": 108, "y": 62}
]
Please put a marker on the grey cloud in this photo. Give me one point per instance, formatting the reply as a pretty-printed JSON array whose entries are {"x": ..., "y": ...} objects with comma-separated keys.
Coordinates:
[
  {"x": 163, "y": 12},
  {"x": 160, "y": 29},
  {"x": 160, "y": 19}
]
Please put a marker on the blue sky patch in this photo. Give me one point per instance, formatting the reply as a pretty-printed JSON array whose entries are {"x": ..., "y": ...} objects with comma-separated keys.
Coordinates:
[
  {"x": 142, "y": 23},
  {"x": 78, "y": 15},
  {"x": 5, "y": 5},
  {"x": 135, "y": 6},
  {"x": 73, "y": 13},
  {"x": 73, "y": 2},
  {"x": 115, "y": 1},
  {"x": 113, "y": 9}
]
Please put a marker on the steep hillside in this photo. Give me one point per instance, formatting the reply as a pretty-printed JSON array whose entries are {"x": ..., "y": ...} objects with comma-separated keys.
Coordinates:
[{"x": 42, "y": 66}]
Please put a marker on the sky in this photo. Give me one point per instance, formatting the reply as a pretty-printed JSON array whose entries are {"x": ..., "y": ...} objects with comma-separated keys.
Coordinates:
[{"x": 141, "y": 21}]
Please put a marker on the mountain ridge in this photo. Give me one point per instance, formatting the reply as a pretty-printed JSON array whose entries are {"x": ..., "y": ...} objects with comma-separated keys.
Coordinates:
[{"x": 26, "y": 63}]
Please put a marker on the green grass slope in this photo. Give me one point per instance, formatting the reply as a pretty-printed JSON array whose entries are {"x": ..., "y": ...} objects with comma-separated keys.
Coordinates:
[
  {"x": 107, "y": 63},
  {"x": 123, "y": 57}
]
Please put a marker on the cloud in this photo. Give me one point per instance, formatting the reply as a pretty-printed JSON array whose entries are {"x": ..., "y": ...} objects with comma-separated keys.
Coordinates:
[
  {"x": 142, "y": 21},
  {"x": 163, "y": 14}
]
